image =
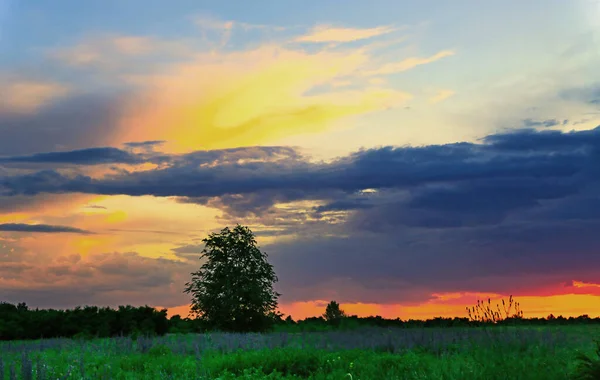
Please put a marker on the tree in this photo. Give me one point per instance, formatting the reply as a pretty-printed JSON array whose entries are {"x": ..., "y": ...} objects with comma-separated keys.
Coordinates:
[
  {"x": 333, "y": 313},
  {"x": 233, "y": 290}
]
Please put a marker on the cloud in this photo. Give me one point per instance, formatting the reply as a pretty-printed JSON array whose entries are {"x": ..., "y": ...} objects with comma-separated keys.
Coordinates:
[
  {"x": 73, "y": 122},
  {"x": 96, "y": 207},
  {"x": 441, "y": 96},
  {"x": 42, "y": 228},
  {"x": 212, "y": 98},
  {"x": 587, "y": 94},
  {"x": 111, "y": 51},
  {"x": 557, "y": 155},
  {"x": 325, "y": 33},
  {"x": 408, "y": 63},
  {"x": 409, "y": 265},
  {"x": 244, "y": 98},
  {"x": 144, "y": 144},
  {"x": 107, "y": 279},
  {"x": 29, "y": 96},
  {"x": 545, "y": 141},
  {"x": 516, "y": 211},
  {"x": 529, "y": 123},
  {"x": 90, "y": 156},
  {"x": 207, "y": 21}
]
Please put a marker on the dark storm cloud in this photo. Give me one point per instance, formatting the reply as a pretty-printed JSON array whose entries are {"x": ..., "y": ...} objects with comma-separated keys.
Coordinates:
[
  {"x": 452, "y": 185},
  {"x": 44, "y": 228},
  {"x": 344, "y": 205},
  {"x": 544, "y": 141},
  {"x": 512, "y": 258},
  {"x": 144, "y": 144},
  {"x": 515, "y": 156},
  {"x": 90, "y": 156},
  {"x": 517, "y": 211},
  {"x": 252, "y": 204}
]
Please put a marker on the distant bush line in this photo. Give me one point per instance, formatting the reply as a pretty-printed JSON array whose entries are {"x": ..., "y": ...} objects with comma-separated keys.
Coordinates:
[{"x": 19, "y": 322}]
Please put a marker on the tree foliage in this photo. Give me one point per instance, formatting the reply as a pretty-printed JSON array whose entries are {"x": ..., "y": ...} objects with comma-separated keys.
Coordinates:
[
  {"x": 233, "y": 290},
  {"x": 333, "y": 314},
  {"x": 20, "y": 322}
]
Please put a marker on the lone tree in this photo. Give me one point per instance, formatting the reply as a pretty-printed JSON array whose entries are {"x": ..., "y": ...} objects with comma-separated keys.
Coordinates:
[
  {"x": 333, "y": 313},
  {"x": 233, "y": 290}
]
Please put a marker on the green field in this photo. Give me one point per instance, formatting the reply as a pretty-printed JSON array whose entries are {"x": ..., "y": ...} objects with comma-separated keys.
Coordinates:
[{"x": 368, "y": 353}]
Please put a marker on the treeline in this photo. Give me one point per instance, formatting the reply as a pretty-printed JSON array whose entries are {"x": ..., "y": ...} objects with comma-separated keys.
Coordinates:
[
  {"x": 18, "y": 322},
  {"x": 178, "y": 325},
  {"x": 352, "y": 322}
]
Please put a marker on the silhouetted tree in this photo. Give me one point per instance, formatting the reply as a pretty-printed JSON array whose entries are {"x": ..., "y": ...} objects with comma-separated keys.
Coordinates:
[
  {"x": 233, "y": 290},
  {"x": 333, "y": 314}
]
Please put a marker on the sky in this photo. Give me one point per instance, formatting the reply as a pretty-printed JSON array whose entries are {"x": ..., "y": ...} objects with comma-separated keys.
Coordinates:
[{"x": 404, "y": 158}]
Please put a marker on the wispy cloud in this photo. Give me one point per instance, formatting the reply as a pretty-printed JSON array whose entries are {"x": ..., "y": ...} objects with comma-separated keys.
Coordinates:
[
  {"x": 24, "y": 96},
  {"x": 325, "y": 33},
  {"x": 409, "y": 63},
  {"x": 41, "y": 228},
  {"x": 206, "y": 21},
  {"x": 544, "y": 123},
  {"x": 441, "y": 96},
  {"x": 90, "y": 156},
  {"x": 144, "y": 144},
  {"x": 107, "y": 51}
]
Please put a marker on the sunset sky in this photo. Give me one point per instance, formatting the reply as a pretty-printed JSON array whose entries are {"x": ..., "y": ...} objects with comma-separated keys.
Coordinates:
[{"x": 404, "y": 158}]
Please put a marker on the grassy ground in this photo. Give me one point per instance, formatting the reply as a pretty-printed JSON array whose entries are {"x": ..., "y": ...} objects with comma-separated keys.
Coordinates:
[{"x": 498, "y": 353}]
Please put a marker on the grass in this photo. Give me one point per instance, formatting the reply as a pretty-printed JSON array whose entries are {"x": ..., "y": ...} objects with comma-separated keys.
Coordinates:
[{"x": 451, "y": 353}]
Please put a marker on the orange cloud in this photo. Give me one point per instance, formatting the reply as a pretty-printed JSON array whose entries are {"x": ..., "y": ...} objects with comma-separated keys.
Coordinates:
[
  {"x": 580, "y": 284},
  {"x": 324, "y": 33},
  {"x": 28, "y": 96}
]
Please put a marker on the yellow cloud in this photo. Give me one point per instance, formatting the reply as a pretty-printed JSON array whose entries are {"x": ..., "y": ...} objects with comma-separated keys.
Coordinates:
[
  {"x": 341, "y": 83},
  {"x": 409, "y": 63},
  {"x": 440, "y": 96},
  {"x": 248, "y": 98},
  {"x": 377, "y": 81},
  {"x": 29, "y": 96},
  {"x": 324, "y": 33},
  {"x": 219, "y": 99}
]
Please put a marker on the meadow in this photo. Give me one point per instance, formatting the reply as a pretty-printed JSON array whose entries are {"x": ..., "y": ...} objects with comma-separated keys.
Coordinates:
[{"x": 497, "y": 352}]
